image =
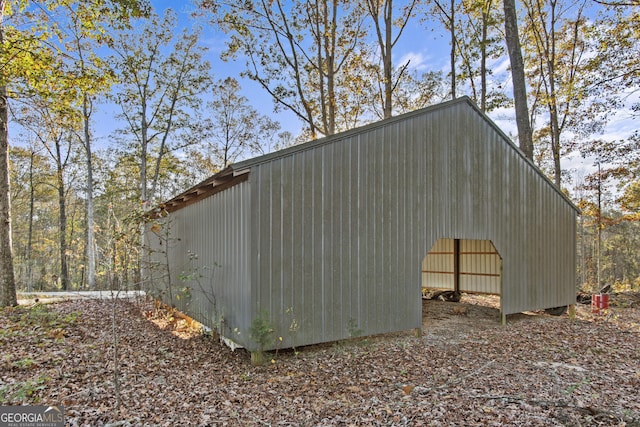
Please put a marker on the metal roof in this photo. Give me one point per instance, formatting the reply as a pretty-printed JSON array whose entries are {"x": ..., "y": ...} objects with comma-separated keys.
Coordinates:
[{"x": 237, "y": 172}]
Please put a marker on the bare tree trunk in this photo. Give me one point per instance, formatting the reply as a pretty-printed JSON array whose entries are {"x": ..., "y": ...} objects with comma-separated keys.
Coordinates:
[
  {"x": 525, "y": 135},
  {"x": 387, "y": 61},
  {"x": 450, "y": 22},
  {"x": 90, "y": 247},
  {"x": 30, "y": 232},
  {"x": 386, "y": 42},
  {"x": 452, "y": 30},
  {"x": 599, "y": 238},
  {"x": 330, "y": 50},
  {"x": 144, "y": 194},
  {"x": 7, "y": 277},
  {"x": 547, "y": 39},
  {"x": 486, "y": 10},
  {"x": 64, "y": 268},
  {"x": 555, "y": 146},
  {"x": 116, "y": 361},
  {"x": 325, "y": 41}
]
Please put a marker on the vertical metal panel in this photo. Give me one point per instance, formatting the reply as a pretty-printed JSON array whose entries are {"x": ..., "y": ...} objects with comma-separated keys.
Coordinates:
[
  {"x": 360, "y": 272},
  {"x": 480, "y": 267},
  {"x": 208, "y": 259},
  {"x": 377, "y": 199},
  {"x": 332, "y": 235},
  {"x": 437, "y": 266}
]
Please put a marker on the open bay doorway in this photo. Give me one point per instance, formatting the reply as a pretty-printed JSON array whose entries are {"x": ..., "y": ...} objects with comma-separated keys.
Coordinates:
[{"x": 462, "y": 270}]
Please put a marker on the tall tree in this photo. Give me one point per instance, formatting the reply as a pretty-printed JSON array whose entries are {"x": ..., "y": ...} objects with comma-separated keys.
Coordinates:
[
  {"x": 25, "y": 54},
  {"x": 615, "y": 66},
  {"x": 555, "y": 34},
  {"x": 381, "y": 13},
  {"x": 7, "y": 277},
  {"x": 33, "y": 209},
  {"x": 479, "y": 41},
  {"x": 117, "y": 175},
  {"x": 237, "y": 129},
  {"x": 51, "y": 123},
  {"x": 160, "y": 79},
  {"x": 297, "y": 51},
  {"x": 610, "y": 201},
  {"x": 525, "y": 134},
  {"x": 447, "y": 14},
  {"x": 93, "y": 77},
  {"x": 18, "y": 53}
]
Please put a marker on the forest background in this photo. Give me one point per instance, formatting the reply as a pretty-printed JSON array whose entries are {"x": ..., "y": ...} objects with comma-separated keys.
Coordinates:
[{"x": 117, "y": 105}]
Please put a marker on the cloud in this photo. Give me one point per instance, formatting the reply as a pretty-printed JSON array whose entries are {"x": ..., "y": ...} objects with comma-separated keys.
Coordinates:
[
  {"x": 500, "y": 66},
  {"x": 417, "y": 61}
]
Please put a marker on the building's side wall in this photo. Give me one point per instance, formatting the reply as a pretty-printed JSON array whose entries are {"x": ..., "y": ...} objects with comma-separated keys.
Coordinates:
[
  {"x": 336, "y": 229},
  {"x": 481, "y": 188},
  {"x": 341, "y": 229},
  {"x": 208, "y": 260}
]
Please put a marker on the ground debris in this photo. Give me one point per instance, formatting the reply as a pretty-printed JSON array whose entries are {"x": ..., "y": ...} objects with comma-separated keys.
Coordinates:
[{"x": 539, "y": 370}]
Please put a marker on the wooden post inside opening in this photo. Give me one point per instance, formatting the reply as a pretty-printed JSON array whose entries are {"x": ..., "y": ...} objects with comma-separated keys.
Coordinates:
[{"x": 456, "y": 266}]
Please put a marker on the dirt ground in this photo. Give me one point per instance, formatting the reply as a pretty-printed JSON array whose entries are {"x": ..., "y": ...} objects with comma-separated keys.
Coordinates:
[
  {"x": 465, "y": 370},
  {"x": 471, "y": 313}
]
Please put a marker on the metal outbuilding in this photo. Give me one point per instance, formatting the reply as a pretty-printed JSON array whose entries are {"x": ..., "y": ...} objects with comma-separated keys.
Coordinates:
[{"x": 336, "y": 237}]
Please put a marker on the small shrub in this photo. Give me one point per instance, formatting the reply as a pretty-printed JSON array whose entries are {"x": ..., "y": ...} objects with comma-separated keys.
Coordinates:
[
  {"x": 353, "y": 328},
  {"x": 21, "y": 391},
  {"x": 26, "y": 363},
  {"x": 261, "y": 332}
]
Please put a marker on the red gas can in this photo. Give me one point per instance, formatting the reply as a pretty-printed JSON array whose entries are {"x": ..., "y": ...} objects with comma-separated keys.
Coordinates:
[{"x": 599, "y": 302}]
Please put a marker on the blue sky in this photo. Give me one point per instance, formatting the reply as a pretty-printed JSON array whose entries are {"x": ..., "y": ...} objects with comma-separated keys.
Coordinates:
[
  {"x": 426, "y": 53},
  {"x": 426, "y": 44}
]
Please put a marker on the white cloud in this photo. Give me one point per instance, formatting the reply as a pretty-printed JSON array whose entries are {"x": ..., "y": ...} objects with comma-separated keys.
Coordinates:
[
  {"x": 500, "y": 66},
  {"x": 417, "y": 61}
]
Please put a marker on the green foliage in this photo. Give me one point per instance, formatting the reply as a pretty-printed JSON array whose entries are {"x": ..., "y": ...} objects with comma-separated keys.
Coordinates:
[
  {"x": 353, "y": 328},
  {"x": 21, "y": 391},
  {"x": 184, "y": 293},
  {"x": 261, "y": 331},
  {"x": 50, "y": 67},
  {"x": 40, "y": 319},
  {"x": 161, "y": 74},
  {"x": 25, "y": 363},
  {"x": 38, "y": 315},
  {"x": 619, "y": 264},
  {"x": 34, "y": 209},
  {"x": 193, "y": 274},
  {"x": 573, "y": 387}
]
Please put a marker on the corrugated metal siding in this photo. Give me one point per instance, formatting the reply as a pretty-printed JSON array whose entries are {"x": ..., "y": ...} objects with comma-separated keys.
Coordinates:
[
  {"x": 341, "y": 227},
  {"x": 208, "y": 247},
  {"x": 328, "y": 238},
  {"x": 331, "y": 232},
  {"x": 480, "y": 267},
  {"x": 437, "y": 266}
]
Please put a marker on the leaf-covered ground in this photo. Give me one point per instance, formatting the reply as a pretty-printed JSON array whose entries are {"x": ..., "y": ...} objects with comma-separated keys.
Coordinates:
[{"x": 466, "y": 369}]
